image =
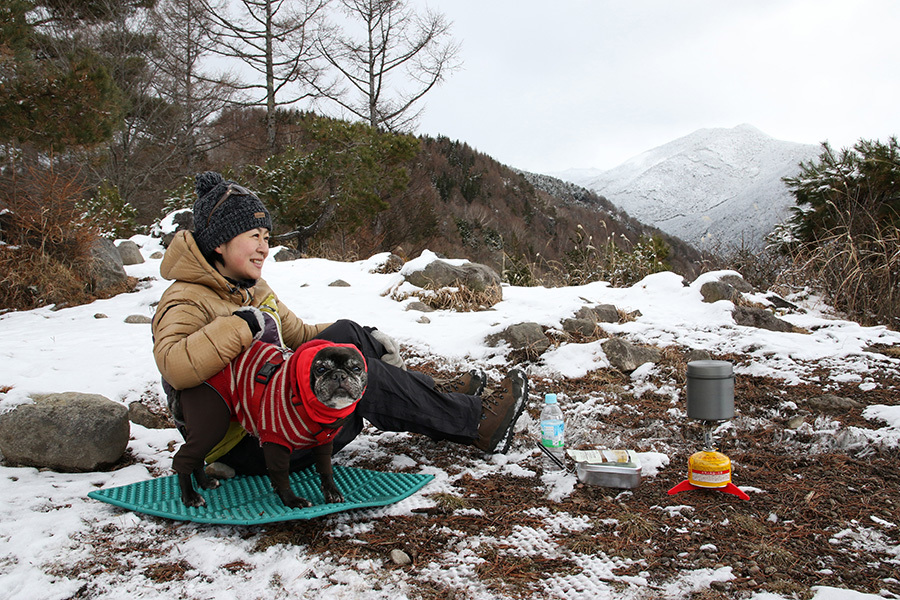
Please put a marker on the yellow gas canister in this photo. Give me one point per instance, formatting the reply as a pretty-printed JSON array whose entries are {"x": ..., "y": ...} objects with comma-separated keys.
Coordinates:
[{"x": 709, "y": 469}]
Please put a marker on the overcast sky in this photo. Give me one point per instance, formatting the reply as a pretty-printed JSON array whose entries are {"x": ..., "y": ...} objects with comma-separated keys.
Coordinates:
[{"x": 551, "y": 85}]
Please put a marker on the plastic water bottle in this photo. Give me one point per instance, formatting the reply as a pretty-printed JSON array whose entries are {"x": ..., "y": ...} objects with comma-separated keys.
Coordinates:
[{"x": 553, "y": 430}]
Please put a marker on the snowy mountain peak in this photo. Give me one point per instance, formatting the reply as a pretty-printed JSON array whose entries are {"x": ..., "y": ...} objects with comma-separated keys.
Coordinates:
[{"x": 694, "y": 187}]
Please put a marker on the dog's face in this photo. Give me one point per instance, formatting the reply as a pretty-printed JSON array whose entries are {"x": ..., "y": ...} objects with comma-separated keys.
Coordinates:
[{"x": 338, "y": 376}]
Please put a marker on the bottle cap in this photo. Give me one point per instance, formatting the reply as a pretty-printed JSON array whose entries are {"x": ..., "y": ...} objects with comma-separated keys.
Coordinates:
[{"x": 550, "y": 399}]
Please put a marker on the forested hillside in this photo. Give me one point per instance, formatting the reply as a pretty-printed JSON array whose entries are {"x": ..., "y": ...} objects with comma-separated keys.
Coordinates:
[{"x": 410, "y": 194}]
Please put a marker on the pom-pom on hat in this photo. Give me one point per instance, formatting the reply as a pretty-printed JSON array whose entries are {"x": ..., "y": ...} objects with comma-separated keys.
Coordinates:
[{"x": 224, "y": 210}]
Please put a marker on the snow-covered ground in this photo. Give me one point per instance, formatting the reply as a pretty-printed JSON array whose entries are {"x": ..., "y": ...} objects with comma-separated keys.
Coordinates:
[{"x": 49, "y": 527}]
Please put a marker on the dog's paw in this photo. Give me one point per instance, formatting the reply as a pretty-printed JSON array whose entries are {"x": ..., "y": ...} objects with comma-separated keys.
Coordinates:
[
  {"x": 292, "y": 500},
  {"x": 332, "y": 493},
  {"x": 204, "y": 481},
  {"x": 211, "y": 483},
  {"x": 334, "y": 497},
  {"x": 193, "y": 499},
  {"x": 189, "y": 495}
]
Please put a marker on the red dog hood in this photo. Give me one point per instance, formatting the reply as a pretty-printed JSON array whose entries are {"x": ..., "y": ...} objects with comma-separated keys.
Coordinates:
[{"x": 299, "y": 365}]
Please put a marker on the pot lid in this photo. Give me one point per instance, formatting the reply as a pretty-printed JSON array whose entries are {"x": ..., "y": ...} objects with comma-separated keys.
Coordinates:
[{"x": 710, "y": 369}]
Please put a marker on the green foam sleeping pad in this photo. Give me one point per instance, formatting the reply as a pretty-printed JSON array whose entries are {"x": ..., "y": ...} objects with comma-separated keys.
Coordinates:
[{"x": 250, "y": 500}]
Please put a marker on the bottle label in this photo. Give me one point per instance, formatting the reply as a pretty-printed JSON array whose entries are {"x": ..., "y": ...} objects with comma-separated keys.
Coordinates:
[{"x": 552, "y": 434}]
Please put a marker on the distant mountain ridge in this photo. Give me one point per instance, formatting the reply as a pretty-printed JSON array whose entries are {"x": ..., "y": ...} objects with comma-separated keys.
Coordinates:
[{"x": 713, "y": 188}]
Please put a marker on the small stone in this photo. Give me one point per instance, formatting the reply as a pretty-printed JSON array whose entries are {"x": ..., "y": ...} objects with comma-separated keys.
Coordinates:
[
  {"x": 219, "y": 471},
  {"x": 339, "y": 283},
  {"x": 130, "y": 253},
  {"x": 419, "y": 306},
  {"x": 100, "y": 316},
  {"x": 141, "y": 319},
  {"x": 796, "y": 422},
  {"x": 424, "y": 320},
  {"x": 399, "y": 557},
  {"x": 829, "y": 403}
]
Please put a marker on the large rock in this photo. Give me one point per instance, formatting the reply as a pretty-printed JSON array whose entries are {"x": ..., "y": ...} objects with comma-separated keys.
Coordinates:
[
  {"x": 603, "y": 313},
  {"x": 713, "y": 291},
  {"x": 439, "y": 274},
  {"x": 106, "y": 268},
  {"x": 130, "y": 253},
  {"x": 737, "y": 282},
  {"x": 286, "y": 254},
  {"x": 585, "y": 327},
  {"x": 392, "y": 264},
  {"x": 831, "y": 404},
  {"x": 183, "y": 219},
  {"x": 523, "y": 336},
  {"x": 588, "y": 318},
  {"x": 751, "y": 316},
  {"x": 627, "y": 357},
  {"x": 65, "y": 432}
]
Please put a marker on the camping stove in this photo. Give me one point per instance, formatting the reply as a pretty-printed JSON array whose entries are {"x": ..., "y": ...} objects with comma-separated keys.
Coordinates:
[{"x": 710, "y": 399}]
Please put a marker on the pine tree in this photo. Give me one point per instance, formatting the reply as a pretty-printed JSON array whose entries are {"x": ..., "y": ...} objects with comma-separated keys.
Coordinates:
[
  {"x": 845, "y": 228},
  {"x": 50, "y": 101},
  {"x": 848, "y": 189}
]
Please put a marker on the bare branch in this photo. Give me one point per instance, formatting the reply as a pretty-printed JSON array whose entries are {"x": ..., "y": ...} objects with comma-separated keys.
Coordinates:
[{"x": 396, "y": 42}]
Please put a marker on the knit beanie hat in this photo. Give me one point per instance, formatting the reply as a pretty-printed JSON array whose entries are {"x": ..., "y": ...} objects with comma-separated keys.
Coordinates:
[{"x": 224, "y": 210}]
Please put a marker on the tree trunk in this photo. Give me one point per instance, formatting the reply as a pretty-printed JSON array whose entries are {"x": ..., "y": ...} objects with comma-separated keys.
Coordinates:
[{"x": 270, "y": 83}]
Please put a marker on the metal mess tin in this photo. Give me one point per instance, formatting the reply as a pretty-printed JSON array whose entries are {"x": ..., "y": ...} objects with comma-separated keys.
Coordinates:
[
  {"x": 607, "y": 468},
  {"x": 710, "y": 390}
]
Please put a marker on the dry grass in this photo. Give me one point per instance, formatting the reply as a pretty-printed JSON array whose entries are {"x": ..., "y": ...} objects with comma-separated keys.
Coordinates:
[
  {"x": 858, "y": 272},
  {"x": 47, "y": 246},
  {"x": 31, "y": 279},
  {"x": 459, "y": 298}
]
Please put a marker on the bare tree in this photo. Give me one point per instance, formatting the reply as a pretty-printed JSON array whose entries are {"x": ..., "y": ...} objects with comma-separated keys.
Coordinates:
[
  {"x": 415, "y": 52},
  {"x": 181, "y": 79},
  {"x": 275, "y": 38}
]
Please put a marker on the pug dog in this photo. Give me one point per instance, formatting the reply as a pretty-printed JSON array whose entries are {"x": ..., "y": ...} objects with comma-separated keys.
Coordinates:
[{"x": 289, "y": 401}]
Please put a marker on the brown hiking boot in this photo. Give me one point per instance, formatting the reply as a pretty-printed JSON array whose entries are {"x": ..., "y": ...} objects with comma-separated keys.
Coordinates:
[
  {"x": 471, "y": 383},
  {"x": 500, "y": 413}
]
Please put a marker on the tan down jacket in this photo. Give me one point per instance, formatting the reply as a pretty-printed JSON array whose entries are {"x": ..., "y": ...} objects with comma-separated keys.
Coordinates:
[{"x": 194, "y": 332}]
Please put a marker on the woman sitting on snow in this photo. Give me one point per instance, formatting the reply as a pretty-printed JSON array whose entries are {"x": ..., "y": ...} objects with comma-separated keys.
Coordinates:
[{"x": 218, "y": 305}]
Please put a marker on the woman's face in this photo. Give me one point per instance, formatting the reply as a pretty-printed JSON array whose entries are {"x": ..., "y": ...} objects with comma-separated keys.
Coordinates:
[{"x": 243, "y": 255}]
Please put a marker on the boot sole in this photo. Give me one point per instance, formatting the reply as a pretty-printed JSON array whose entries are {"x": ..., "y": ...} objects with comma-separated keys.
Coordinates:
[{"x": 503, "y": 444}]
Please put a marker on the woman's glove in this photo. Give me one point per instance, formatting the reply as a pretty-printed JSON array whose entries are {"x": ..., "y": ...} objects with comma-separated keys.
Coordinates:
[
  {"x": 254, "y": 318},
  {"x": 391, "y": 348}
]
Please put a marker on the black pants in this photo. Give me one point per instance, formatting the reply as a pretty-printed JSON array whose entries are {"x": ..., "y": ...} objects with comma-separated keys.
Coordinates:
[{"x": 395, "y": 400}]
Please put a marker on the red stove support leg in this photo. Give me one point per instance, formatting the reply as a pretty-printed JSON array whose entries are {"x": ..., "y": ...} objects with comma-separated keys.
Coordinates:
[{"x": 686, "y": 485}]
